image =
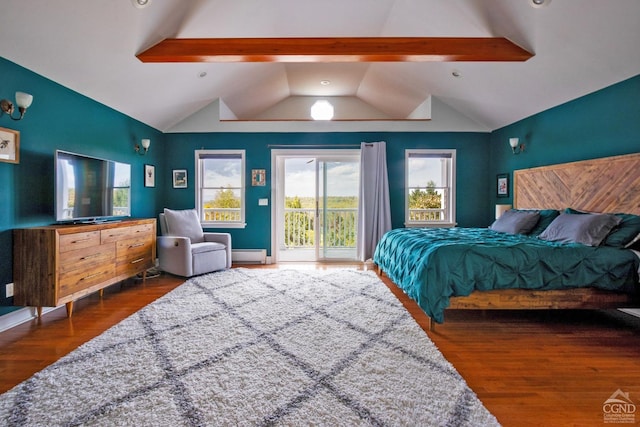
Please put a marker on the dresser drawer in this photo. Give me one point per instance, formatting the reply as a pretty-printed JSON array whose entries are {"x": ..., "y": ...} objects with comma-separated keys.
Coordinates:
[
  {"x": 133, "y": 255},
  {"x": 84, "y": 259},
  {"x": 79, "y": 280},
  {"x": 130, "y": 232},
  {"x": 72, "y": 242}
]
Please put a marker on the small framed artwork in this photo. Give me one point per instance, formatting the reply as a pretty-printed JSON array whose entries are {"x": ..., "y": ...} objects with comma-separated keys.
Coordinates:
[
  {"x": 179, "y": 178},
  {"x": 9, "y": 145},
  {"x": 258, "y": 177},
  {"x": 149, "y": 176},
  {"x": 503, "y": 185}
]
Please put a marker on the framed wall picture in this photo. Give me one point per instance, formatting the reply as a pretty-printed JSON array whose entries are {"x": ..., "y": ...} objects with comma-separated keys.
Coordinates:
[
  {"x": 179, "y": 178},
  {"x": 9, "y": 145},
  {"x": 149, "y": 176},
  {"x": 258, "y": 177},
  {"x": 503, "y": 185}
]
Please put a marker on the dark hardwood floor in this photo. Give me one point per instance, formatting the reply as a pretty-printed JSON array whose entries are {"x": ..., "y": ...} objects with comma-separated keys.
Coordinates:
[{"x": 533, "y": 368}]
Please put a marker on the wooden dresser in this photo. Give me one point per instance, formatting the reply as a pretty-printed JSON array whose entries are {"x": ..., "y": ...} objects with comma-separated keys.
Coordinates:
[{"x": 58, "y": 264}]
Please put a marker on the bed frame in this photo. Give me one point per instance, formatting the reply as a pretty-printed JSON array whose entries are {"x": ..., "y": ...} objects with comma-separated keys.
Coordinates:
[{"x": 610, "y": 184}]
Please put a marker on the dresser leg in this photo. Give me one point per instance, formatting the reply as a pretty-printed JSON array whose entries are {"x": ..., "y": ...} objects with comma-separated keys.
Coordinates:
[
  {"x": 101, "y": 293},
  {"x": 69, "y": 308},
  {"x": 39, "y": 310}
]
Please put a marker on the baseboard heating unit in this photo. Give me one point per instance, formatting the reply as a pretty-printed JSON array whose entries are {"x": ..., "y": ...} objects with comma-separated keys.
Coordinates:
[{"x": 249, "y": 256}]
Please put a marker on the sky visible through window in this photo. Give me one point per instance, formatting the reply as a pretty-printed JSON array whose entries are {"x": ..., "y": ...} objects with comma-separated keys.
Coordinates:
[
  {"x": 342, "y": 178},
  {"x": 422, "y": 170}
]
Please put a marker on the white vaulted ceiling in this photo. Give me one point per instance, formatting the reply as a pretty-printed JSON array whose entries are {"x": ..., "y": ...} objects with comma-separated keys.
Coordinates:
[{"x": 579, "y": 46}]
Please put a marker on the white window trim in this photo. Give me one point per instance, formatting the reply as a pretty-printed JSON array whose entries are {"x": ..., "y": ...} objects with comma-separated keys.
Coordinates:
[
  {"x": 451, "y": 222},
  {"x": 218, "y": 224}
]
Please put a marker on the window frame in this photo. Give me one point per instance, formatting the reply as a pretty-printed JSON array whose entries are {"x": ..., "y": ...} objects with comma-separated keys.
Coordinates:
[
  {"x": 204, "y": 154},
  {"x": 450, "y": 210}
]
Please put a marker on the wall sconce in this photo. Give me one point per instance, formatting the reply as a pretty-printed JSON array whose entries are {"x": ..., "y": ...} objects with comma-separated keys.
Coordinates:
[
  {"x": 23, "y": 100},
  {"x": 517, "y": 149},
  {"x": 142, "y": 149}
]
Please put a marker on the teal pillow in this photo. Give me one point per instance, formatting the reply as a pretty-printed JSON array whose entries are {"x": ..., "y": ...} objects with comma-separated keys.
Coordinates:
[
  {"x": 546, "y": 217},
  {"x": 625, "y": 232}
]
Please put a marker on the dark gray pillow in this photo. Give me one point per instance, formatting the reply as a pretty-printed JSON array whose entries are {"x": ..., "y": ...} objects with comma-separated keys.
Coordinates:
[
  {"x": 588, "y": 229},
  {"x": 516, "y": 222}
]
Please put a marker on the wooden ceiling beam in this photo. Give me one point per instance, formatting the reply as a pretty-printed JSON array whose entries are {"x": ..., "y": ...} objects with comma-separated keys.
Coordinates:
[{"x": 339, "y": 49}]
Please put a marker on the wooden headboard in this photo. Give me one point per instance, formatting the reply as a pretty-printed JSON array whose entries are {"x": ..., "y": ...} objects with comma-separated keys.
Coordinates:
[{"x": 609, "y": 184}]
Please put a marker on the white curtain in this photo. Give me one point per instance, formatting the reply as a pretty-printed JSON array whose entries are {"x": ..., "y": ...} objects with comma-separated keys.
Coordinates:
[{"x": 374, "y": 212}]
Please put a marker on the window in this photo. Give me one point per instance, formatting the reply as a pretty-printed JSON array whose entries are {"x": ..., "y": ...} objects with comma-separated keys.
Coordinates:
[
  {"x": 220, "y": 181},
  {"x": 430, "y": 188},
  {"x": 121, "y": 189}
]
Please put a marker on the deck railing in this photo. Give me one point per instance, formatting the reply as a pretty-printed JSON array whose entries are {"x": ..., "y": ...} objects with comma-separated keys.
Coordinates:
[
  {"x": 222, "y": 214},
  {"x": 300, "y": 230},
  {"x": 339, "y": 230},
  {"x": 427, "y": 215}
]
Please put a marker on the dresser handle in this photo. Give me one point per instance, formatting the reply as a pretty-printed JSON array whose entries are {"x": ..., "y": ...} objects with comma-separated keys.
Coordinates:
[
  {"x": 81, "y": 240},
  {"x": 135, "y": 261},
  {"x": 91, "y": 276},
  {"x": 136, "y": 245},
  {"x": 90, "y": 256}
]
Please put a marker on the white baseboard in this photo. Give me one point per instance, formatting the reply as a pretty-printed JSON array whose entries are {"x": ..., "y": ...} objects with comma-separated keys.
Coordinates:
[
  {"x": 20, "y": 316},
  {"x": 251, "y": 256}
]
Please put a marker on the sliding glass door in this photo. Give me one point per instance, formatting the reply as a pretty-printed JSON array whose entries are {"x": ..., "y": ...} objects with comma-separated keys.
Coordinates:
[{"x": 316, "y": 208}]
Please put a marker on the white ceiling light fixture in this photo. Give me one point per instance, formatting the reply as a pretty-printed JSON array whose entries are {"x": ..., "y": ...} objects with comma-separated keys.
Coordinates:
[
  {"x": 540, "y": 3},
  {"x": 140, "y": 4},
  {"x": 322, "y": 110}
]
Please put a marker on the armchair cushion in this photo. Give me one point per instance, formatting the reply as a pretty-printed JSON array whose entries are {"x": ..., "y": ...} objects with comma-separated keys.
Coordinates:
[
  {"x": 184, "y": 223},
  {"x": 198, "y": 248}
]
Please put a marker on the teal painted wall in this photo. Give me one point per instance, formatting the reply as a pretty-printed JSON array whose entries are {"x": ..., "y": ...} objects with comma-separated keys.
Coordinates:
[
  {"x": 62, "y": 119},
  {"x": 472, "y": 171},
  {"x": 603, "y": 123}
]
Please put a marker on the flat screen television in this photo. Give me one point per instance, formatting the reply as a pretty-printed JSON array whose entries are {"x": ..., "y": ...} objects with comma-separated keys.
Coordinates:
[{"x": 89, "y": 189}]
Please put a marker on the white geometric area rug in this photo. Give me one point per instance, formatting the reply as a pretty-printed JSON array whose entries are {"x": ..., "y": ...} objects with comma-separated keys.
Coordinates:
[{"x": 255, "y": 347}]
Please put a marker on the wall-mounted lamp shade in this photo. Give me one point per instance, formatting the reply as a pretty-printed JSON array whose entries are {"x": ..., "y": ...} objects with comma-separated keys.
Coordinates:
[
  {"x": 23, "y": 100},
  {"x": 145, "y": 143},
  {"x": 322, "y": 110},
  {"x": 500, "y": 209},
  {"x": 517, "y": 149}
]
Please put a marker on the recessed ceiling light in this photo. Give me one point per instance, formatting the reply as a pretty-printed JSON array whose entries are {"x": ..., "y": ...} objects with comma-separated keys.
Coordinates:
[
  {"x": 325, "y": 82},
  {"x": 140, "y": 3},
  {"x": 539, "y": 3}
]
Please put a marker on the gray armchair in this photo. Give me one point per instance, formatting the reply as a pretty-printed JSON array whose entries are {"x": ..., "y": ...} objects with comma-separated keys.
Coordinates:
[{"x": 184, "y": 249}]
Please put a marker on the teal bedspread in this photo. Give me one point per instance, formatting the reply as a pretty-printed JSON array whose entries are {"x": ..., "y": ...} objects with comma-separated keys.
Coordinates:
[{"x": 433, "y": 264}]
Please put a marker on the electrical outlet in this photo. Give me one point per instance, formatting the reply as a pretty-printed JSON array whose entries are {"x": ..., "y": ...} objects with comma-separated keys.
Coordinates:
[{"x": 8, "y": 290}]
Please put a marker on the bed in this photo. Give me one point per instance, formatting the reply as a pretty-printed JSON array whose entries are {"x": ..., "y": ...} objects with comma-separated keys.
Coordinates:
[{"x": 484, "y": 268}]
